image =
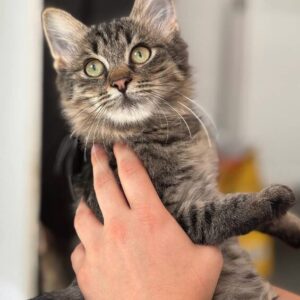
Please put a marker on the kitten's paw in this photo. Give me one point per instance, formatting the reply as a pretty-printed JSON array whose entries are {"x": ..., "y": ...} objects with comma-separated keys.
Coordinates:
[
  {"x": 280, "y": 198},
  {"x": 286, "y": 228}
]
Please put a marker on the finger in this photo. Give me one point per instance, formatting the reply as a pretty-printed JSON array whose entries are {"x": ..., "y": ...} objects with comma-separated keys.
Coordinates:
[
  {"x": 135, "y": 180},
  {"x": 283, "y": 294},
  {"x": 86, "y": 224},
  {"x": 77, "y": 257},
  {"x": 109, "y": 195}
]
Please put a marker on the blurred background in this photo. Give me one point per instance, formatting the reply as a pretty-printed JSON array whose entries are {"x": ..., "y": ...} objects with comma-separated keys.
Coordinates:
[{"x": 246, "y": 59}]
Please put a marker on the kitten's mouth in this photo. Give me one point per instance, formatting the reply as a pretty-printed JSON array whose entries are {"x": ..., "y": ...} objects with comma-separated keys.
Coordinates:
[
  {"x": 127, "y": 101},
  {"x": 128, "y": 109}
]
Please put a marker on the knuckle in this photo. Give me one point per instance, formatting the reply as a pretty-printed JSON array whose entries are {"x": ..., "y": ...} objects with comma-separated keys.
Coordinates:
[
  {"x": 83, "y": 276},
  {"x": 78, "y": 220},
  {"x": 74, "y": 255},
  {"x": 81, "y": 216}
]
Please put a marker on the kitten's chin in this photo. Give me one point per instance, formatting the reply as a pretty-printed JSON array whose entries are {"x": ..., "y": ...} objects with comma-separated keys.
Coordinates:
[{"x": 130, "y": 114}]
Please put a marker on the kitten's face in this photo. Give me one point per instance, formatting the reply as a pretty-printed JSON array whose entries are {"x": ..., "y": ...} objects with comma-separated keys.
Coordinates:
[{"x": 118, "y": 74}]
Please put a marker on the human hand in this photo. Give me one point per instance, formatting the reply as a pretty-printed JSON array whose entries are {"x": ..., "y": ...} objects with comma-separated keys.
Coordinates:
[
  {"x": 286, "y": 295},
  {"x": 140, "y": 252}
]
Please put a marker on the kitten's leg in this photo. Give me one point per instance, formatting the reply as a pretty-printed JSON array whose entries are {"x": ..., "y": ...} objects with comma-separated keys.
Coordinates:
[
  {"x": 70, "y": 293},
  {"x": 216, "y": 220},
  {"x": 286, "y": 228}
]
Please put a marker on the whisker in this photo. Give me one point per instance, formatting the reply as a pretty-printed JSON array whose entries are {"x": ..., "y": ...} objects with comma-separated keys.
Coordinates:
[
  {"x": 201, "y": 122},
  {"x": 90, "y": 130},
  {"x": 202, "y": 109},
  {"x": 167, "y": 125},
  {"x": 98, "y": 123},
  {"x": 86, "y": 109},
  {"x": 181, "y": 117},
  {"x": 208, "y": 116}
]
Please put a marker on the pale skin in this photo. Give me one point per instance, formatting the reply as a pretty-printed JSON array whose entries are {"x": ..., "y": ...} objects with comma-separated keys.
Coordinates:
[{"x": 140, "y": 252}]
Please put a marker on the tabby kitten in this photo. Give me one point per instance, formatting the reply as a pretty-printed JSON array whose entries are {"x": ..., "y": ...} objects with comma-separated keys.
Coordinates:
[{"x": 129, "y": 81}]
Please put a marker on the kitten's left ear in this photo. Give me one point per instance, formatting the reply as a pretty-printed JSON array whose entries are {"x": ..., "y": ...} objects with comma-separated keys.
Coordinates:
[{"x": 157, "y": 14}]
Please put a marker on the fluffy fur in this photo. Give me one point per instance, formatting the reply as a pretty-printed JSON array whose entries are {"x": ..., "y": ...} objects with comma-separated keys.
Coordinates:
[{"x": 157, "y": 118}]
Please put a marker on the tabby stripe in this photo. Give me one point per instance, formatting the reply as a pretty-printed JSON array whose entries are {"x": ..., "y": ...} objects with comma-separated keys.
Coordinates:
[
  {"x": 101, "y": 35},
  {"x": 95, "y": 47},
  {"x": 128, "y": 37},
  {"x": 194, "y": 219}
]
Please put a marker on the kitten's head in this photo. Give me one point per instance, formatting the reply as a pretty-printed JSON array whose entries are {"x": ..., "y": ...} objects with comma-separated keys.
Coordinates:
[{"x": 118, "y": 75}]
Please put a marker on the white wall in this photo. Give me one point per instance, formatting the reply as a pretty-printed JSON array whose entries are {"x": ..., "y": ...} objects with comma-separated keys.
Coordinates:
[
  {"x": 247, "y": 74},
  {"x": 201, "y": 26},
  {"x": 20, "y": 127},
  {"x": 271, "y": 90}
]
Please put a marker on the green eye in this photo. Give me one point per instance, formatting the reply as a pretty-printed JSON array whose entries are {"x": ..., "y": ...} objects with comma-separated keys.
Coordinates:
[
  {"x": 140, "y": 55},
  {"x": 94, "y": 68}
]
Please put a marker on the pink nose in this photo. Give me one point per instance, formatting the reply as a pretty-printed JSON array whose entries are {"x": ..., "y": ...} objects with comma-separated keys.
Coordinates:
[{"x": 121, "y": 84}]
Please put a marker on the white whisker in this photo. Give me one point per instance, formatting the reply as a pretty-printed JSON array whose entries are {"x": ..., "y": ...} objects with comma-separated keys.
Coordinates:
[
  {"x": 201, "y": 122},
  {"x": 98, "y": 123},
  {"x": 181, "y": 117},
  {"x": 90, "y": 131},
  {"x": 167, "y": 125},
  {"x": 201, "y": 108}
]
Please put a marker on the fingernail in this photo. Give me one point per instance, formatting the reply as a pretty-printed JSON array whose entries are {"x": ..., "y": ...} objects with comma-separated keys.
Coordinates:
[
  {"x": 121, "y": 147},
  {"x": 95, "y": 150},
  {"x": 98, "y": 154}
]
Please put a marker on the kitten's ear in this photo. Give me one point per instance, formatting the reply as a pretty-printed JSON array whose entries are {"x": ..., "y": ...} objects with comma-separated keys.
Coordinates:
[
  {"x": 63, "y": 33},
  {"x": 159, "y": 14}
]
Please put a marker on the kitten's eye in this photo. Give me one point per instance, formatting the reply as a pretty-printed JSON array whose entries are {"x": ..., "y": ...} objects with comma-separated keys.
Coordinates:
[
  {"x": 94, "y": 68},
  {"x": 140, "y": 55}
]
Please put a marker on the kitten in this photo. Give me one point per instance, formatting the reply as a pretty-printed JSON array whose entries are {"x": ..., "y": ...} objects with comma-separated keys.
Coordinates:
[{"x": 129, "y": 81}]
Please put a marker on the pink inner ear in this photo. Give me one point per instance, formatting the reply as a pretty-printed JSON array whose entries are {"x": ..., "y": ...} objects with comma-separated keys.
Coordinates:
[{"x": 63, "y": 34}]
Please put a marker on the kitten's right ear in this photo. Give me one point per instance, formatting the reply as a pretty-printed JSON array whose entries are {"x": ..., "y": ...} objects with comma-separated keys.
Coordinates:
[
  {"x": 157, "y": 15},
  {"x": 64, "y": 33}
]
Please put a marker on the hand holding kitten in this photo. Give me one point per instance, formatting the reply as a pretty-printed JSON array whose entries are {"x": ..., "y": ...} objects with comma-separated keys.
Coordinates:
[{"x": 141, "y": 252}]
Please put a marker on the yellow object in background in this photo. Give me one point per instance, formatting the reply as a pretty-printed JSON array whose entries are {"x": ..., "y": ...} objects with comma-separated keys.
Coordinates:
[
  {"x": 241, "y": 175},
  {"x": 261, "y": 249}
]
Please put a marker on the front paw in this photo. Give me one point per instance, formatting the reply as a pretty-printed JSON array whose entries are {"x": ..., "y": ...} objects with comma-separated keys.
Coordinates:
[{"x": 280, "y": 199}]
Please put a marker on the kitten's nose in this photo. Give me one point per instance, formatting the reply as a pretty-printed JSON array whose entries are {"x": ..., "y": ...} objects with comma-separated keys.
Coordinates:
[{"x": 121, "y": 84}]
